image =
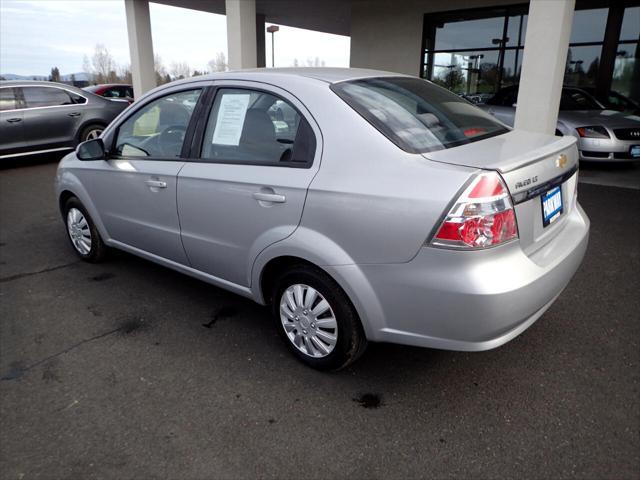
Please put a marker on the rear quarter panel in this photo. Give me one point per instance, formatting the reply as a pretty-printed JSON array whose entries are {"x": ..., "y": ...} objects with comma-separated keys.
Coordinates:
[{"x": 370, "y": 202}]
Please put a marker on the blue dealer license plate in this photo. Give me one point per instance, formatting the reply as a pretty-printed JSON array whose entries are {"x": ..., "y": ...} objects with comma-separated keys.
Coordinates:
[
  {"x": 635, "y": 151},
  {"x": 551, "y": 205}
]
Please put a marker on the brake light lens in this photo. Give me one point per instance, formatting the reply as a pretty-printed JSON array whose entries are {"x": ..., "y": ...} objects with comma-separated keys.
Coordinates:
[{"x": 482, "y": 217}]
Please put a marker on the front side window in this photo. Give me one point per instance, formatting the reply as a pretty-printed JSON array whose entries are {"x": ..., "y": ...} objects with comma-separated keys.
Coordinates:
[
  {"x": 37, "y": 97},
  {"x": 248, "y": 126},
  {"x": 7, "y": 99},
  {"x": 157, "y": 129},
  {"x": 417, "y": 115}
]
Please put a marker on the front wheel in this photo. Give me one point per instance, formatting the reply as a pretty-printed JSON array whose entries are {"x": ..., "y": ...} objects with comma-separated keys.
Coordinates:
[
  {"x": 82, "y": 232},
  {"x": 317, "y": 320}
]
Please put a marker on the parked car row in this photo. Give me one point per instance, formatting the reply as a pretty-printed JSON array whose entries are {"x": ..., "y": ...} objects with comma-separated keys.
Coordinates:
[
  {"x": 40, "y": 117},
  {"x": 360, "y": 205}
]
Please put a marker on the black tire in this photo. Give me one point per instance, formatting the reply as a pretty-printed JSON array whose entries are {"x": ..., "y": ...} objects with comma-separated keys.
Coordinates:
[
  {"x": 351, "y": 340},
  {"x": 98, "y": 250},
  {"x": 86, "y": 131}
]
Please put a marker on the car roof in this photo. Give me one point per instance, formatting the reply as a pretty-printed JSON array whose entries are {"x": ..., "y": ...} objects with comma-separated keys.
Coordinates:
[
  {"x": 35, "y": 83},
  {"x": 108, "y": 85},
  {"x": 326, "y": 75}
]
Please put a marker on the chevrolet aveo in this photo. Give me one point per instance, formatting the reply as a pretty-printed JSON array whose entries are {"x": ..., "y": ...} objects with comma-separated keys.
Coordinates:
[{"x": 361, "y": 205}]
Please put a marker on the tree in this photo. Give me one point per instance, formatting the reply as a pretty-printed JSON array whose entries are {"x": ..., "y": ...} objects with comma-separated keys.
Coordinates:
[
  {"x": 103, "y": 65},
  {"x": 311, "y": 62},
  {"x": 161, "y": 72},
  {"x": 218, "y": 64},
  {"x": 124, "y": 74},
  {"x": 86, "y": 67},
  {"x": 73, "y": 79},
  {"x": 55, "y": 75},
  {"x": 180, "y": 70},
  {"x": 296, "y": 63}
]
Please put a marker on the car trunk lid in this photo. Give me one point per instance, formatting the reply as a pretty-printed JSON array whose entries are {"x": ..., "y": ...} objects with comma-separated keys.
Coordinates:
[{"x": 531, "y": 165}]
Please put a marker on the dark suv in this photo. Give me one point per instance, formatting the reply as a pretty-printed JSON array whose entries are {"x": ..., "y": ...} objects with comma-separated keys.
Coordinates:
[{"x": 40, "y": 117}]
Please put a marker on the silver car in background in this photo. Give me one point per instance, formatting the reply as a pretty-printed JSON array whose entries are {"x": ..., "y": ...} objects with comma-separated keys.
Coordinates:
[
  {"x": 43, "y": 117},
  {"x": 361, "y": 205},
  {"x": 603, "y": 135}
]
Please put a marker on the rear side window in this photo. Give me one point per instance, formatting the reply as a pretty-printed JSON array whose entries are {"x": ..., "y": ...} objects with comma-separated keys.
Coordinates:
[
  {"x": 36, "y": 97},
  {"x": 7, "y": 99},
  {"x": 158, "y": 128},
  {"x": 76, "y": 98},
  {"x": 254, "y": 127},
  {"x": 417, "y": 115}
]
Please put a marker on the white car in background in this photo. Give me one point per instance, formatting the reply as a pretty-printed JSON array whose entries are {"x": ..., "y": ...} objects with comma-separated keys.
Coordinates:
[{"x": 603, "y": 135}]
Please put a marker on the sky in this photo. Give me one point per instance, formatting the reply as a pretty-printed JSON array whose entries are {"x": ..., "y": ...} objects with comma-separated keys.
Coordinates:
[{"x": 36, "y": 35}]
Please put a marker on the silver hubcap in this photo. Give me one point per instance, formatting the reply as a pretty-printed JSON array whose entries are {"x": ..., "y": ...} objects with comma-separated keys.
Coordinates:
[
  {"x": 308, "y": 320},
  {"x": 79, "y": 232},
  {"x": 93, "y": 134}
]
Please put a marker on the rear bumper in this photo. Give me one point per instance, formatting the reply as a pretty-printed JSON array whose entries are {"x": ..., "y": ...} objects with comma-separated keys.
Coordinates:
[{"x": 463, "y": 300}]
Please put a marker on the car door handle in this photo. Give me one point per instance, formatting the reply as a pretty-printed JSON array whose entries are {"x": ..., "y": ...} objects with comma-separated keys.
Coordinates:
[
  {"x": 156, "y": 184},
  {"x": 75, "y": 114},
  {"x": 269, "y": 197},
  {"x": 14, "y": 120}
]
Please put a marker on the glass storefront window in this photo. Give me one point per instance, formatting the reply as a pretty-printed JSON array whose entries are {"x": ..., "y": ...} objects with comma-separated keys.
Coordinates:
[
  {"x": 511, "y": 67},
  {"x": 479, "y": 51},
  {"x": 589, "y": 25},
  {"x": 516, "y": 29},
  {"x": 626, "y": 71},
  {"x": 467, "y": 72},
  {"x": 469, "y": 34},
  {"x": 582, "y": 66},
  {"x": 631, "y": 24}
]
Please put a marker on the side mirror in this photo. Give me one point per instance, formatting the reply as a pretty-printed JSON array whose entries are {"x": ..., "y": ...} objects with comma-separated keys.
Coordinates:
[{"x": 91, "y": 150}]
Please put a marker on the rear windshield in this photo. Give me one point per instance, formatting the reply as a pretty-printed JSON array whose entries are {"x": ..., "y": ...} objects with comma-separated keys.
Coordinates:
[{"x": 417, "y": 115}]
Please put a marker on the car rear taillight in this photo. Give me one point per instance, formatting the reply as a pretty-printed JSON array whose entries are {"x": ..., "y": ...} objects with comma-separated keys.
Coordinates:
[{"x": 482, "y": 217}]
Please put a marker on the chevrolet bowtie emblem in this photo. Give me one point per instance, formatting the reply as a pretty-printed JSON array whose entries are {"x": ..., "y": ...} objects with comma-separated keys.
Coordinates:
[{"x": 561, "y": 161}]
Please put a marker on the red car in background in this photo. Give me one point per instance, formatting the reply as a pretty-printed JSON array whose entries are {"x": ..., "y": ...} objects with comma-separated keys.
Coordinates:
[{"x": 112, "y": 90}]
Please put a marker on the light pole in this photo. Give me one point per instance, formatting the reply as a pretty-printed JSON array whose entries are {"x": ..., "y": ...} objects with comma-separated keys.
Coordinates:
[{"x": 272, "y": 29}]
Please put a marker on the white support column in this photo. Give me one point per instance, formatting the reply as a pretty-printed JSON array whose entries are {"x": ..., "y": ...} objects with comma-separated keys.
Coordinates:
[
  {"x": 543, "y": 64},
  {"x": 140, "y": 46},
  {"x": 241, "y": 33}
]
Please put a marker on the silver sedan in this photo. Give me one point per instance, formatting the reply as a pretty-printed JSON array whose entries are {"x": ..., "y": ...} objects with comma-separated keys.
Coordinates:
[
  {"x": 603, "y": 135},
  {"x": 360, "y": 205}
]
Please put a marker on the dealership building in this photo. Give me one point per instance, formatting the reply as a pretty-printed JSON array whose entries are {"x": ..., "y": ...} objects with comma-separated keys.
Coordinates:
[{"x": 472, "y": 47}]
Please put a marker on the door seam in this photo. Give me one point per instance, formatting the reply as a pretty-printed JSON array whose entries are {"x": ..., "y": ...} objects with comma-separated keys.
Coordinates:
[{"x": 186, "y": 254}]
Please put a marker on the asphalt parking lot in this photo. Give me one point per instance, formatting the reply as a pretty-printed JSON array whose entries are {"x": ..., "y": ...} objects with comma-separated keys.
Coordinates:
[{"x": 129, "y": 370}]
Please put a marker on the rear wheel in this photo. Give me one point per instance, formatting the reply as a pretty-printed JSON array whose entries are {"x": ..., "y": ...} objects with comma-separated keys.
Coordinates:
[
  {"x": 91, "y": 132},
  {"x": 82, "y": 232},
  {"x": 316, "y": 319}
]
